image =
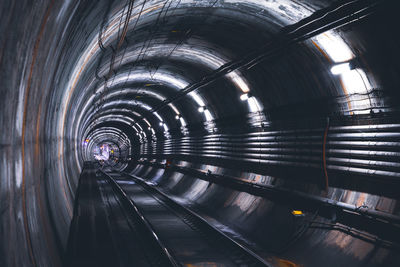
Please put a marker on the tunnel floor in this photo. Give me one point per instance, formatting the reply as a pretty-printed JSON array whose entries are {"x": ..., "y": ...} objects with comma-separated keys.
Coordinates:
[{"x": 121, "y": 220}]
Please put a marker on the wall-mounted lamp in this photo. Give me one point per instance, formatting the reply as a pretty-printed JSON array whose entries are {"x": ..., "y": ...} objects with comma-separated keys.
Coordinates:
[
  {"x": 342, "y": 68},
  {"x": 245, "y": 97}
]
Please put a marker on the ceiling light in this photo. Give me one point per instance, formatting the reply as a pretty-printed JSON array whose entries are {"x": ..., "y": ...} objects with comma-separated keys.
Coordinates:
[
  {"x": 177, "y": 117},
  {"x": 201, "y": 109}
]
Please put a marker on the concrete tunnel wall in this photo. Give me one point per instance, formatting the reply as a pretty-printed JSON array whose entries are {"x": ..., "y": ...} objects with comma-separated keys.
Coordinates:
[{"x": 78, "y": 74}]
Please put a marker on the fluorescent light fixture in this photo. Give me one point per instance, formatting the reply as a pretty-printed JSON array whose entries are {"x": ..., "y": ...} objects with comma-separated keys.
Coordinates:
[
  {"x": 182, "y": 121},
  {"x": 208, "y": 115},
  {"x": 201, "y": 109},
  {"x": 334, "y": 45},
  {"x": 140, "y": 127},
  {"x": 158, "y": 116},
  {"x": 147, "y": 122},
  {"x": 244, "y": 97},
  {"x": 174, "y": 108},
  {"x": 355, "y": 81},
  {"x": 254, "y": 106},
  {"x": 239, "y": 82},
  {"x": 197, "y": 98},
  {"x": 340, "y": 68},
  {"x": 165, "y": 127}
]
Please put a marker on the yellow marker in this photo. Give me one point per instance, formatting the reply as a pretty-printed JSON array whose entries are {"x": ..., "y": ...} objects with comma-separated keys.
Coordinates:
[{"x": 297, "y": 212}]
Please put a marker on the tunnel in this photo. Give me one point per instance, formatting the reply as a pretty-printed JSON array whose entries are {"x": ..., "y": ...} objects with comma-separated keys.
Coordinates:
[{"x": 199, "y": 133}]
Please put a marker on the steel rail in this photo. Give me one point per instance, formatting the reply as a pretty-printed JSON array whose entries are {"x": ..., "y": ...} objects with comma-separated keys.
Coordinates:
[
  {"x": 166, "y": 255},
  {"x": 198, "y": 220}
]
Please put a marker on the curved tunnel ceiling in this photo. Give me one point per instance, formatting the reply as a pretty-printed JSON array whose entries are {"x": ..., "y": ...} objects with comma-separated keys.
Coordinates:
[{"x": 300, "y": 93}]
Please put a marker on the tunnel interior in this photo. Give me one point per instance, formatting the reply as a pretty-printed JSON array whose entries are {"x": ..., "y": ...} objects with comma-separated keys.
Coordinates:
[{"x": 278, "y": 121}]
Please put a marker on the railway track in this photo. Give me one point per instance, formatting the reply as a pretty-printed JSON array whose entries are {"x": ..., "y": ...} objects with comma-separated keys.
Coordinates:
[{"x": 178, "y": 236}]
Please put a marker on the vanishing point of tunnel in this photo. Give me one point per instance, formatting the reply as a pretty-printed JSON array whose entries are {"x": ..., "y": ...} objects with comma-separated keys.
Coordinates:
[{"x": 199, "y": 133}]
